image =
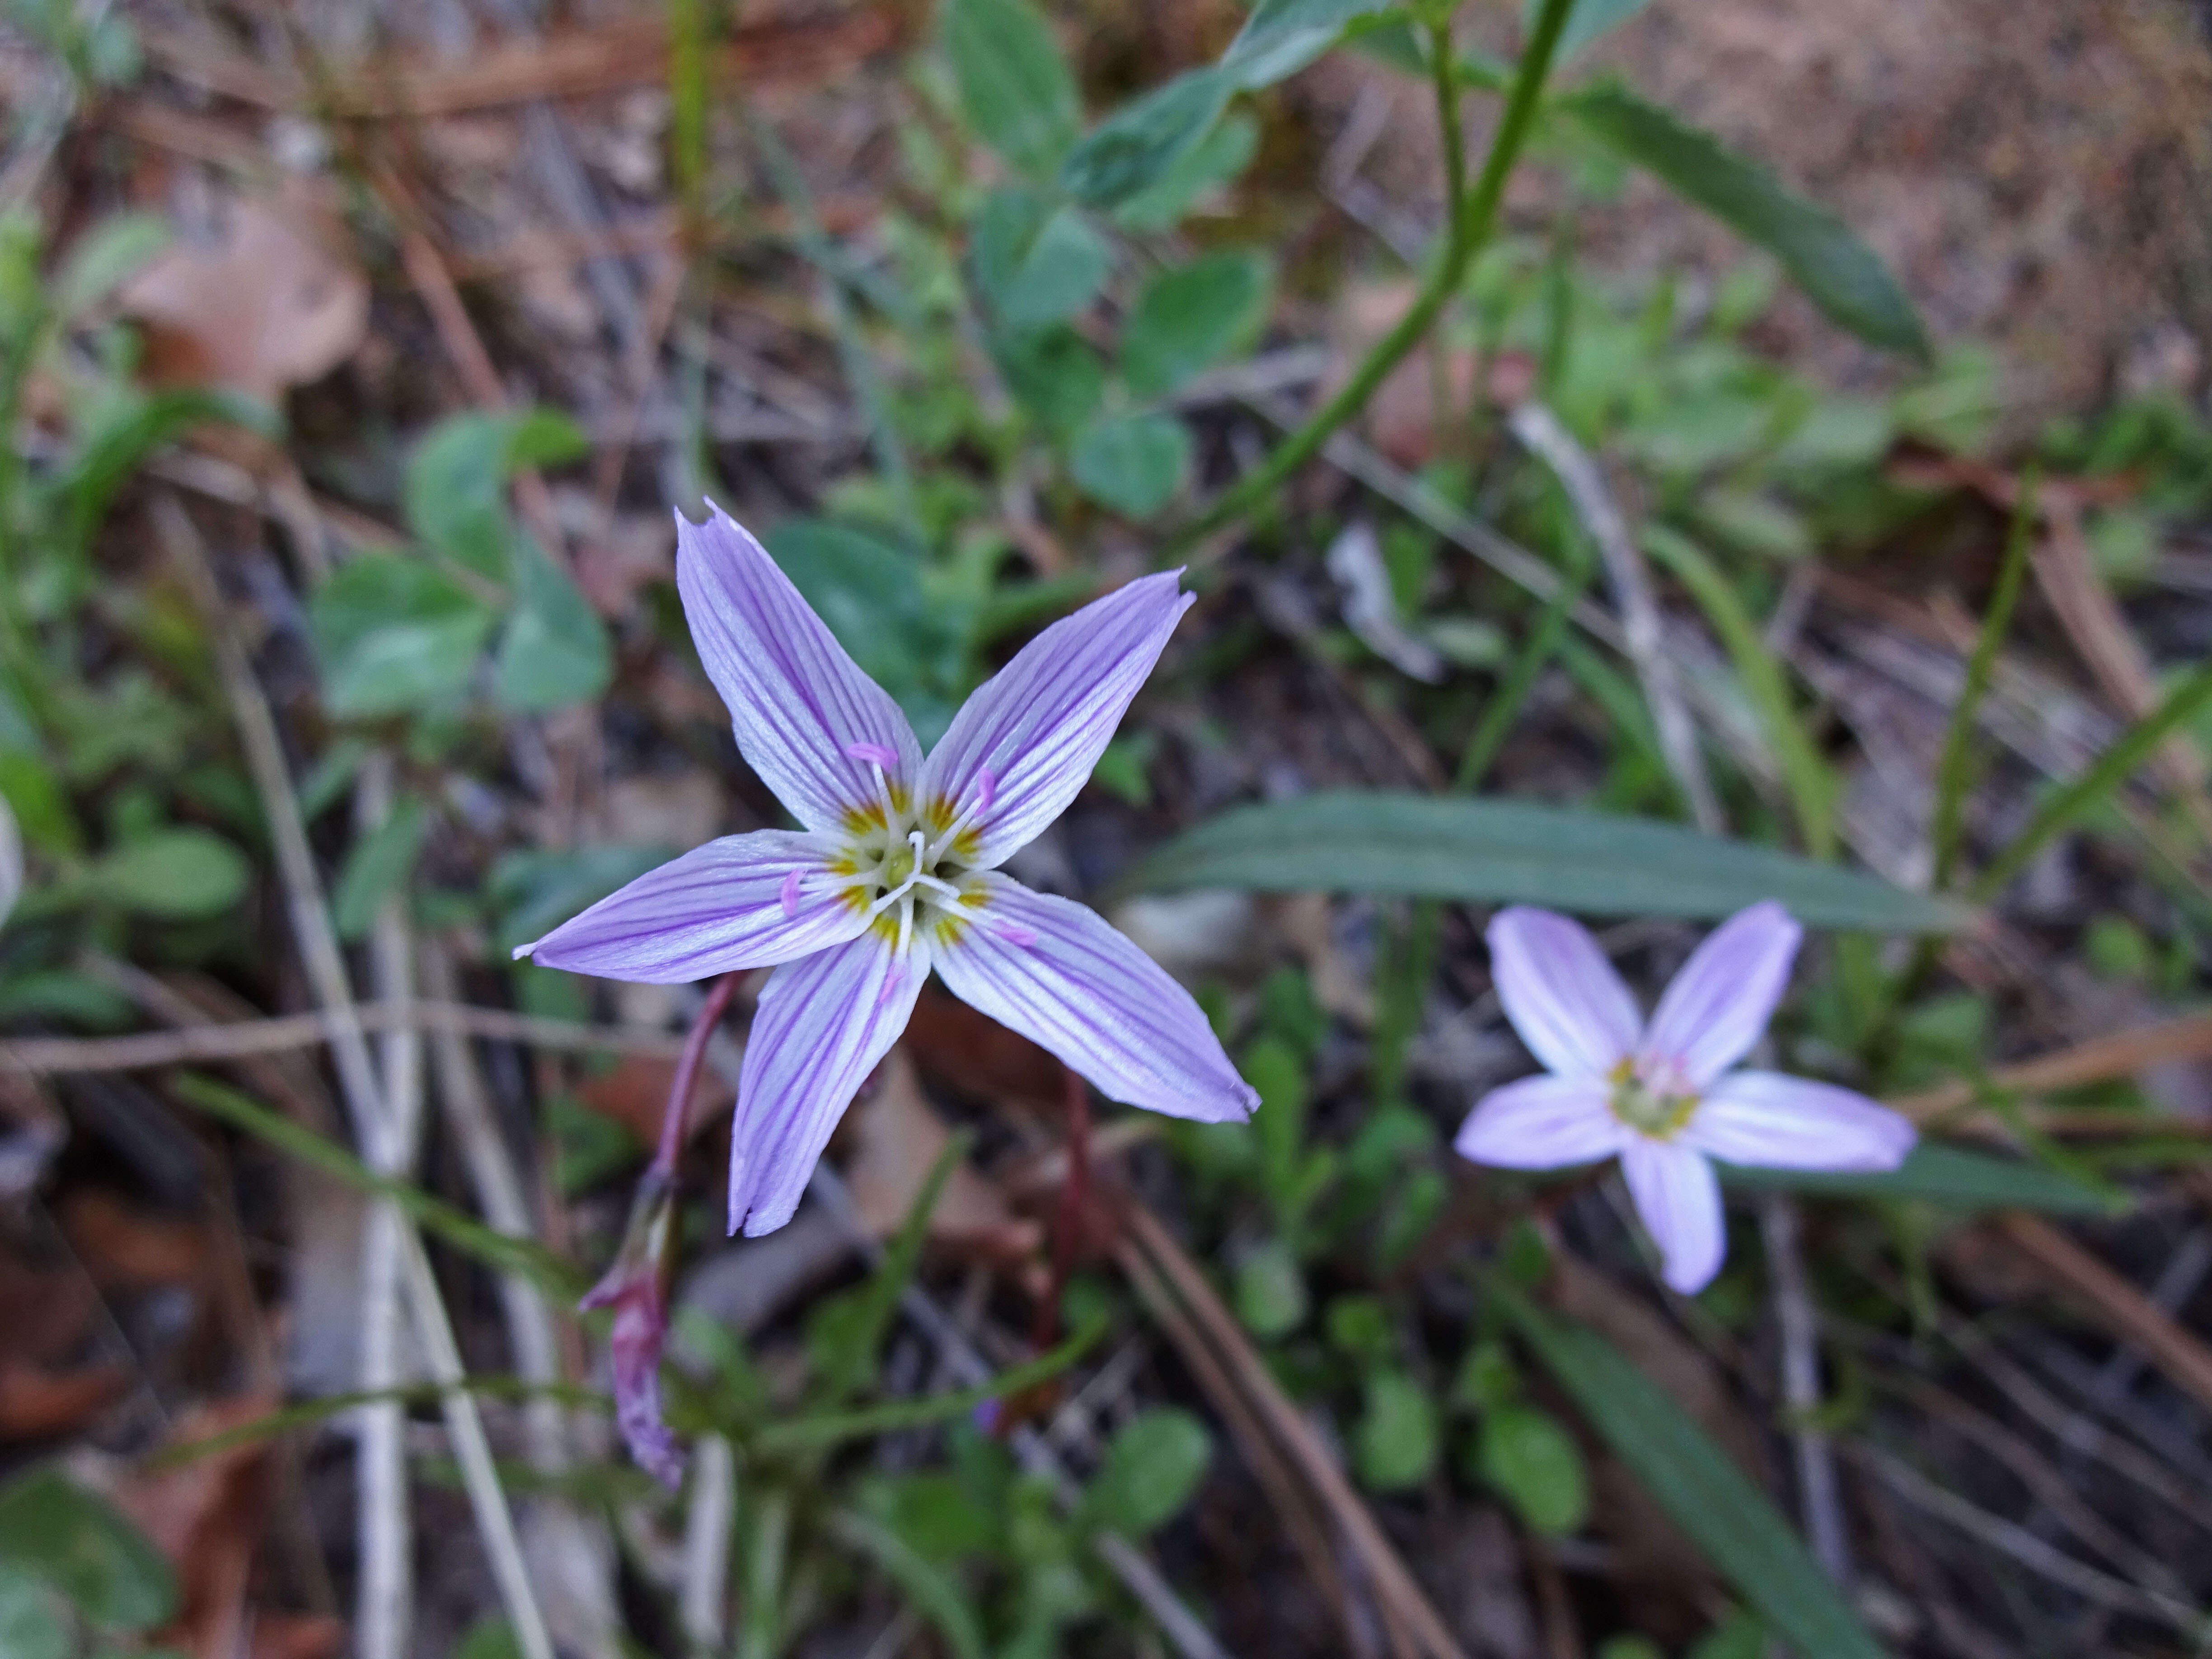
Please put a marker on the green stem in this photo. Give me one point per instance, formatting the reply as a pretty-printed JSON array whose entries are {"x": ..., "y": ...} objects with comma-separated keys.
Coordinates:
[
  {"x": 2110, "y": 771},
  {"x": 1954, "y": 773},
  {"x": 1543, "y": 644},
  {"x": 1471, "y": 217}
]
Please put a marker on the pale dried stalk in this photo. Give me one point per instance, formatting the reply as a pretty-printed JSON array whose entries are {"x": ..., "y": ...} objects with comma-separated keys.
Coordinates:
[
  {"x": 567, "y": 1552},
  {"x": 1392, "y": 1583},
  {"x": 381, "y": 1630},
  {"x": 1818, "y": 1495},
  {"x": 1538, "y": 428},
  {"x": 244, "y": 1038},
  {"x": 2188, "y": 1037},
  {"x": 707, "y": 1543}
]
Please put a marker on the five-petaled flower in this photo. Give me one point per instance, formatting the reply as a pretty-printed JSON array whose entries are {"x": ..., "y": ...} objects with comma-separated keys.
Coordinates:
[
  {"x": 895, "y": 871},
  {"x": 1663, "y": 1096}
]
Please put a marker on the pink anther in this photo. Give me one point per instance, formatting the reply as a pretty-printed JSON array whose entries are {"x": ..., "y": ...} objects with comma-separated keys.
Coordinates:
[
  {"x": 881, "y": 755},
  {"x": 892, "y": 982},
  {"x": 1014, "y": 933},
  {"x": 789, "y": 897},
  {"x": 986, "y": 789}
]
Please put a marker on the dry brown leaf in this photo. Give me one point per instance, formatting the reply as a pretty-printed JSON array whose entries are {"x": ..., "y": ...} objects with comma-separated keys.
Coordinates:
[
  {"x": 897, "y": 1138},
  {"x": 41, "y": 1404},
  {"x": 124, "y": 1249},
  {"x": 635, "y": 1094},
  {"x": 279, "y": 302},
  {"x": 953, "y": 1044},
  {"x": 206, "y": 1516}
]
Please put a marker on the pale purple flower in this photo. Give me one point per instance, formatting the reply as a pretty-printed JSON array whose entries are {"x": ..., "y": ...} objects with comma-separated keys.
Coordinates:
[
  {"x": 895, "y": 871},
  {"x": 1662, "y": 1098}
]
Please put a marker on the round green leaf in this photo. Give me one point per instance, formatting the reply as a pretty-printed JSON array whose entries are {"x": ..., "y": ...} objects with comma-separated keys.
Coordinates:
[
  {"x": 177, "y": 875},
  {"x": 1133, "y": 464},
  {"x": 1527, "y": 1456},
  {"x": 1151, "y": 1467},
  {"x": 83, "y": 1548},
  {"x": 1189, "y": 319},
  {"x": 1396, "y": 1445},
  {"x": 1016, "y": 88}
]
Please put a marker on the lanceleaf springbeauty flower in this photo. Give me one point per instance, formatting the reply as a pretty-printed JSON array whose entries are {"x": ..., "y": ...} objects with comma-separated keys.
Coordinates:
[
  {"x": 896, "y": 871},
  {"x": 1662, "y": 1098}
]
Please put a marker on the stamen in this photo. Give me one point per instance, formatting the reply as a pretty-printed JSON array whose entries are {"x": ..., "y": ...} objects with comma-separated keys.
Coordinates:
[
  {"x": 875, "y": 753},
  {"x": 789, "y": 897},
  {"x": 892, "y": 982},
  {"x": 1015, "y": 934},
  {"x": 935, "y": 885},
  {"x": 987, "y": 791},
  {"x": 906, "y": 923}
]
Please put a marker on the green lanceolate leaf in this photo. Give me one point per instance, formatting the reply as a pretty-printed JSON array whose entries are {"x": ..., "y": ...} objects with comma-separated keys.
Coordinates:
[
  {"x": 1490, "y": 851},
  {"x": 1839, "y": 273},
  {"x": 1139, "y": 144},
  {"x": 393, "y": 633},
  {"x": 1949, "y": 1176},
  {"x": 83, "y": 1548},
  {"x": 1187, "y": 319},
  {"x": 1133, "y": 463},
  {"x": 870, "y": 595},
  {"x": 555, "y": 651},
  {"x": 1709, "y": 1498},
  {"x": 1015, "y": 86}
]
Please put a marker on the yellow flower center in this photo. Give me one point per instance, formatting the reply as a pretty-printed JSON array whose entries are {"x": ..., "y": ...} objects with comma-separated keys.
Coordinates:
[{"x": 1647, "y": 1108}]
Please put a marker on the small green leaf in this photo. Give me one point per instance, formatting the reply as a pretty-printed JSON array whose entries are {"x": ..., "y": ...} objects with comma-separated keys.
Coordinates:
[
  {"x": 1187, "y": 319},
  {"x": 1281, "y": 37},
  {"x": 456, "y": 484},
  {"x": 34, "y": 1621},
  {"x": 491, "y": 1636},
  {"x": 1223, "y": 153},
  {"x": 83, "y": 1548},
  {"x": 870, "y": 595},
  {"x": 1839, "y": 273},
  {"x": 1270, "y": 1289},
  {"x": 1949, "y": 1176},
  {"x": 104, "y": 258},
  {"x": 378, "y": 864},
  {"x": 177, "y": 875},
  {"x": 394, "y": 634},
  {"x": 1709, "y": 1498},
  {"x": 1589, "y": 20},
  {"x": 1528, "y": 1456},
  {"x": 1054, "y": 374},
  {"x": 1036, "y": 264},
  {"x": 1395, "y": 1445},
  {"x": 1151, "y": 1467},
  {"x": 1141, "y": 143},
  {"x": 1496, "y": 852},
  {"x": 1015, "y": 86},
  {"x": 555, "y": 651},
  {"x": 1133, "y": 464}
]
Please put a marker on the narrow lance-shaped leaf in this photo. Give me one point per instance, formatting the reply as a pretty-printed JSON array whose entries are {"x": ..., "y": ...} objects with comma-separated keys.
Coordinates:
[
  {"x": 1711, "y": 1500},
  {"x": 1839, "y": 273},
  {"x": 1491, "y": 852},
  {"x": 1950, "y": 1175}
]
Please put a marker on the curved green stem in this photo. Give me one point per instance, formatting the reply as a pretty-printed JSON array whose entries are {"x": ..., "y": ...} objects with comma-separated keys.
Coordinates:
[{"x": 1473, "y": 215}]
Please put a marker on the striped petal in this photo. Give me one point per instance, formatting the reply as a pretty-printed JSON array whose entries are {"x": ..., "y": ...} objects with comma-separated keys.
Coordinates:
[
  {"x": 1054, "y": 972},
  {"x": 742, "y": 902},
  {"x": 1021, "y": 747},
  {"x": 1795, "y": 1123},
  {"x": 1560, "y": 993},
  {"x": 823, "y": 1024},
  {"x": 1679, "y": 1202},
  {"x": 807, "y": 720},
  {"x": 1716, "y": 1008},
  {"x": 1540, "y": 1122}
]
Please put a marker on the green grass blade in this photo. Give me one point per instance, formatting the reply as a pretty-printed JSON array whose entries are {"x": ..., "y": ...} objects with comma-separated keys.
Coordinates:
[{"x": 1713, "y": 1502}]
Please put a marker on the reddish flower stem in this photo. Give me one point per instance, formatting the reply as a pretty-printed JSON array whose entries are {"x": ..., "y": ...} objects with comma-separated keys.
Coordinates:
[
  {"x": 1074, "y": 1199},
  {"x": 687, "y": 1069}
]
